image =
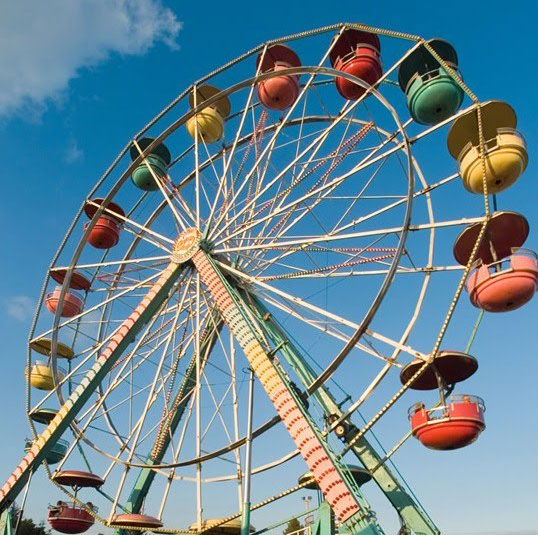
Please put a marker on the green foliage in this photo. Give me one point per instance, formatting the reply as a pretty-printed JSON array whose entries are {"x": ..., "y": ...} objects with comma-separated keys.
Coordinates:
[
  {"x": 27, "y": 526},
  {"x": 294, "y": 526}
]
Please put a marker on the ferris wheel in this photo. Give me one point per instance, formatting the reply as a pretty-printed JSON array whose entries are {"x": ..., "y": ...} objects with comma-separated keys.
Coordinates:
[{"x": 260, "y": 277}]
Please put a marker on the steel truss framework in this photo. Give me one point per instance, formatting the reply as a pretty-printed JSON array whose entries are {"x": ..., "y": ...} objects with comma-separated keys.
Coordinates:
[{"x": 232, "y": 254}]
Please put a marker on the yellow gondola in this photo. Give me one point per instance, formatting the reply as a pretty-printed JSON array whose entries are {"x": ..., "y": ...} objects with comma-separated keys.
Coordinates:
[
  {"x": 506, "y": 151},
  {"x": 209, "y": 122},
  {"x": 41, "y": 376},
  {"x": 44, "y": 345}
]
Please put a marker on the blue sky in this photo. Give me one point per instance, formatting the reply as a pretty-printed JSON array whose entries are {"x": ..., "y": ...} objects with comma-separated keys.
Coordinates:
[{"x": 77, "y": 80}]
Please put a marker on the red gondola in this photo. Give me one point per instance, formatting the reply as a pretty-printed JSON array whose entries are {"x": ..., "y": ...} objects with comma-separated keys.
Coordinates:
[
  {"x": 106, "y": 231},
  {"x": 460, "y": 423},
  {"x": 70, "y": 519},
  {"x": 279, "y": 92},
  {"x": 357, "y": 53}
]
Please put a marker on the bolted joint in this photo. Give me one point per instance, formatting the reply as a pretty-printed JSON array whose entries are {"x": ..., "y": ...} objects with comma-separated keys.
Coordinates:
[
  {"x": 271, "y": 354},
  {"x": 343, "y": 429},
  {"x": 205, "y": 245}
]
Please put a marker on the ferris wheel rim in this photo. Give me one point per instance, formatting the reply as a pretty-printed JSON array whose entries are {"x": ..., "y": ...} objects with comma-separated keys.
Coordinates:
[{"x": 427, "y": 276}]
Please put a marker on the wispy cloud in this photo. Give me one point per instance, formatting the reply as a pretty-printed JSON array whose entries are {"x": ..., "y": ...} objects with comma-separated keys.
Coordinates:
[
  {"x": 43, "y": 45},
  {"x": 73, "y": 153},
  {"x": 19, "y": 307}
]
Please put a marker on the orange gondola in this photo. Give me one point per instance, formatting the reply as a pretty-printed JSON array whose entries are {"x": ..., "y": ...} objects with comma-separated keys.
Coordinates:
[
  {"x": 279, "y": 92},
  {"x": 506, "y": 284}
]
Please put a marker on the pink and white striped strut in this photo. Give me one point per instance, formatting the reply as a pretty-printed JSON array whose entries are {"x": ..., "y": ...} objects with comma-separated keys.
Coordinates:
[
  {"x": 68, "y": 411},
  {"x": 334, "y": 487}
]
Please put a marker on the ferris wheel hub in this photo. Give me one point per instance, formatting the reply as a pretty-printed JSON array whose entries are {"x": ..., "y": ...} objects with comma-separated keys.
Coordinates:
[{"x": 186, "y": 244}]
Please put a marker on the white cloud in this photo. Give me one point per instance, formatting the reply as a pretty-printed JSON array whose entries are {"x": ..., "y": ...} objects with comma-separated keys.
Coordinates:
[
  {"x": 43, "y": 45},
  {"x": 20, "y": 307}
]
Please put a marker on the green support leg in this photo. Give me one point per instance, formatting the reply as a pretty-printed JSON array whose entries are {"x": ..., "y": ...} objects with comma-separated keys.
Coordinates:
[
  {"x": 147, "y": 475},
  {"x": 413, "y": 515},
  {"x": 324, "y": 522},
  {"x": 6, "y": 522},
  {"x": 245, "y": 520}
]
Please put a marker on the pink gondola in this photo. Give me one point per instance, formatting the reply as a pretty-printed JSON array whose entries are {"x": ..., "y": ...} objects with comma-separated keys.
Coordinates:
[
  {"x": 72, "y": 518},
  {"x": 136, "y": 521},
  {"x": 506, "y": 284},
  {"x": 71, "y": 306},
  {"x": 78, "y": 478}
]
